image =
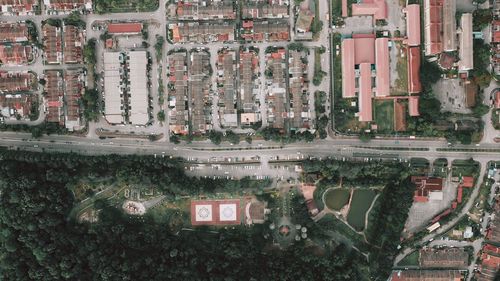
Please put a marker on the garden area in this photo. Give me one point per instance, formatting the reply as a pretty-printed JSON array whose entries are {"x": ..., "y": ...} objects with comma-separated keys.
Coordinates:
[
  {"x": 384, "y": 115},
  {"x": 401, "y": 87},
  {"x": 122, "y": 6}
]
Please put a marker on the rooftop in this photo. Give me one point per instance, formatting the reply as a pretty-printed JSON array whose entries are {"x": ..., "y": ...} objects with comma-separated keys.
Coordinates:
[
  {"x": 444, "y": 258},
  {"x": 125, "y": 28}
]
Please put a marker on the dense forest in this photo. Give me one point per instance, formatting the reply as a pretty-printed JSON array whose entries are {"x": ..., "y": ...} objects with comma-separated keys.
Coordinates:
[{"x": 38, "y": 242}]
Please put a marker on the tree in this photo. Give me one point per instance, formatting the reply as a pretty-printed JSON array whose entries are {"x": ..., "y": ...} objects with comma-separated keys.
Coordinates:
[
  {"x": 232, "y": 137},
  {"x": 215, "y": 137},
  {"x": 161, "y": 116},
  {"x": 248, "y": 139},
  {"x": 174, "y": 139},
  {"x": 89, "y": 51}
]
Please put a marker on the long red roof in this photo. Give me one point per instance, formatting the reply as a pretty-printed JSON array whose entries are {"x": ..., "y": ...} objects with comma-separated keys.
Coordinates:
[{"x": 124, "y": 27}]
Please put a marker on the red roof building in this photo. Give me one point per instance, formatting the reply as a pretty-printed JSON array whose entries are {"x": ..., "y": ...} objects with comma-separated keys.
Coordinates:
[
  {"x": 73, "y": 44},
  {"x": 414, "y": 85},
  {"x": 424, "y": 186},
  {"x": 365, "y": 93},
  {"x": 15, "y": 54},
  {"x": 52, "y": 41},
  {"x": 17, "y": 7},
  {"x": 467, "y": 182},
  {"x": 491, "y": 250},
  {"x": 68, "y": 5},
  {"x": 375, "y": 8},
  {"x": 365, "y": 57},
  {"x": 459, "y": 194},
  {"x": 490, "y": 261},
  {"x": 413, "y": 102},
  {"x": 433, "y": 26},
  {"x": 497, "y": 100},
  {"x": 413, "y": 24},
  {"x": 13, "y": 32},
  {"x": 125, "y": 28},
  {"x": 382, "y": 67}
]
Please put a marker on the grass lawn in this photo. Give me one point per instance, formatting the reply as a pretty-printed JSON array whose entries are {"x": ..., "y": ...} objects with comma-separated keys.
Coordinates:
[
  {"x": 410, "y": 260},
  {"x": 464, "y": 168},
  {"x": 361, "y": 202},
  {"x": 335, "y": 199},
  {"x": 384, "y": 115},
  {"x": 337, "y": 8}
]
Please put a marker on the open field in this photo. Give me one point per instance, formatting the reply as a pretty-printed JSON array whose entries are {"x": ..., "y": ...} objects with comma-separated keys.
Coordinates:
[
  {"x": 361, "y": 202},
  {"x": 410, "y": 260},
  {"x": 335, "y": 199},
  {"x": 384, "y": 115}
]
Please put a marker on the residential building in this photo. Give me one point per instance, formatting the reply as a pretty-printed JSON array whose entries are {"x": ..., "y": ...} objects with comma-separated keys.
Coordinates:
[
  {"x": 427, "y": 188},
  {"x": 18, "y": 7},
  {"x": 466, "y": 61},
  {"x": 306, "y": 13},
  {"x": 13, "y": 32},
  {"x": 265, "y": 9},
  {"x": 205, "y": 10},
  {"x": 15, "y": 82},
  {"x": 74, "y": 90},
  {"x": 125, "y": 28},
  {"x": 67, "y": 6},
  {"x": 228, "y": 99},
  {"x": 276, "y": 98},
  {"x": 300, "y": 112},
  {"x": 18, "y": 105},
  {"x": 52, "y": 41},
  {"x": 53, "y": 98},
  {"x": 114, "y": 88},
  {"x": 365, "y": 57},
  {"x": 249, "y": 103},
  {"x": 194, "y": 32},
  {"x": 199, "y": 83},
  {"x": 178, "y": 92},
  {"x": 265, "y": 31},
  {"x": 138, "y": 89},
  {"x": 443, "y": 258},
  {"x": 73, "y": 44},
  {"x": 15, "y": 54},
  {"x": 426, "y": 275}
]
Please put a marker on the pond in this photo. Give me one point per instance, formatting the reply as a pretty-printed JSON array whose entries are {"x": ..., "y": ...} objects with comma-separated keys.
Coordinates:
[
  {"x": 361, "y": 202},
  {"x": 335, "y": 199}
]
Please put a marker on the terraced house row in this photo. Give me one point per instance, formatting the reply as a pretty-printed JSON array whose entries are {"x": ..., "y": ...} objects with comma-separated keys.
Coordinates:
[
  {"x": 287, "y": 90},
  {"x": 63, "y": 44},
  {"x": 62, "y": 92}
]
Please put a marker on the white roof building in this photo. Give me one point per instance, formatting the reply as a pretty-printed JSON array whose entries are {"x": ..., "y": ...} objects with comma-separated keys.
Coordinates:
[
  {"x": 138, "y": 90},
  {"x": 113, "y": 89},
  {"x": 466, "y": 50}
]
